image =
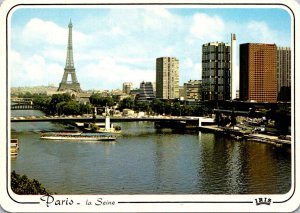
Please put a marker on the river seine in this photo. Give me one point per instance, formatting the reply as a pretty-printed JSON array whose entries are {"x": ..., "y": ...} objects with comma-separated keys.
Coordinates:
[{"x": 144, "y": 160}]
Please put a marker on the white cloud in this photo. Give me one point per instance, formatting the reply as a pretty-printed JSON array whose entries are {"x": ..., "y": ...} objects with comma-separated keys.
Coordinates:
[
  {"x": 33, "y": 70},
  {"x": 190, "y": 70},
  {"x": 109, "y": 74},
  {"x": 117, "y": 31},
  {"x": 40, "y": 32},
  {"x": 43, "y": 31},
  {"x": 207, "y": 28},
  {"x": 259, "y": 31}
]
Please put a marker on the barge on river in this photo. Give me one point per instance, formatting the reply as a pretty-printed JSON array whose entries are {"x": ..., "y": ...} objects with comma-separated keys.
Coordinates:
[{"x": 78, "y": 136}]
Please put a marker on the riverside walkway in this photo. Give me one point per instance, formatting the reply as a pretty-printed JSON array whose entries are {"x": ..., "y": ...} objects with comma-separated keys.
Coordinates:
[{"x": 254, "y": 137}]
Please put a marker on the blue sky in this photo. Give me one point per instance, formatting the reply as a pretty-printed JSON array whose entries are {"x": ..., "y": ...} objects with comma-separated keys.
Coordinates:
[{"x": 116, "y": 45}]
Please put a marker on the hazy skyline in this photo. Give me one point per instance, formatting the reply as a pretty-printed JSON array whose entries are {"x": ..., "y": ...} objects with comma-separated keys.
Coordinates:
[{"x": 116, "y": 45}]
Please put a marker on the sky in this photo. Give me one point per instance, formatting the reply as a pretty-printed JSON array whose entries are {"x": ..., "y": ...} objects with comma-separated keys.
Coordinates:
[{"x": 114, "y": 45}]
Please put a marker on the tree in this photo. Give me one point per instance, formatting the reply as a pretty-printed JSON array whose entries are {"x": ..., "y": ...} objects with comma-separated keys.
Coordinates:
[
  {"x": 60, "y": 107},
  {"x": 176, "y": 109},
  {"x": 126, "y": 103},
  {"x": 157, "y": 106},
  {"x": 85, "y": 108},
  {"x": 97, "y": 99},
  {"x": 57, "y": 98},
  {"x": 141, "y": 106},
  {"x": 71, "y": 108},
  {"x": 22, "y": 185}
]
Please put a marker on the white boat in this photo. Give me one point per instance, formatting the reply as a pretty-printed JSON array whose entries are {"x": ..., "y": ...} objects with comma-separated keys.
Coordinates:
[{"x": 78, "y": 136}]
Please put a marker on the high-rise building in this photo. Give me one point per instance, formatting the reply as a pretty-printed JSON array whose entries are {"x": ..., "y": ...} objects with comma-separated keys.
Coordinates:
[
  {"x": 258, "y": 80},
  {"x": 193, "y": 90},
  {"x": 284, "y": 73},
  {"x": 232, "y": 66},
  {"x": 216, "y": 82},
  {"x": 167, "y": 78},
  {"x": 146, "y": 91},
  {"x": 127, "y": 87},
  {"x": 65, "y": 84}
]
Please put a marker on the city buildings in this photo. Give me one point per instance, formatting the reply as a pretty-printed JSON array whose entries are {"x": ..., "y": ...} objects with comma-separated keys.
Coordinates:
[
  {"x": 146, "y": 91},
  {"x": 127, "y": 87},
  {"x": 258, "y": 80},
  {"x": 167, "y": 78},
  {"x": 284, "y": 73},
  {"x": 216, "y": 81},
  {"x": 192, "y": 90}
]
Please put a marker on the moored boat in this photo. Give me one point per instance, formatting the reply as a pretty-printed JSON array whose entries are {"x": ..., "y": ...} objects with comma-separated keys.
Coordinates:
[{"x": 79, "y": 136}]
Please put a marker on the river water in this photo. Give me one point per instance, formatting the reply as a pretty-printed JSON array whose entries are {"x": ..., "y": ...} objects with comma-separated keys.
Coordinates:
[{"x": 148, "y": 161}]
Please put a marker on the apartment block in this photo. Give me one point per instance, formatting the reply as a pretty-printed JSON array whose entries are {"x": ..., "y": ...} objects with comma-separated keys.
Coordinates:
[
  {"x": 167, "y": 78},
  {"x": 192, "y": 90},
  {"x": 284, "y": 73}
]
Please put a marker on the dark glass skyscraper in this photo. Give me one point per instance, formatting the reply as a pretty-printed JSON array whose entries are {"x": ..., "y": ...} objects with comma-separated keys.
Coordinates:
[{"x": 216, "y": 81}]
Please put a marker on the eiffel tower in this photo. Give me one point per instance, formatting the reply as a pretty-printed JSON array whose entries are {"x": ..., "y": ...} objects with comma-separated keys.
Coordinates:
[{"x": 66, "y": 85}]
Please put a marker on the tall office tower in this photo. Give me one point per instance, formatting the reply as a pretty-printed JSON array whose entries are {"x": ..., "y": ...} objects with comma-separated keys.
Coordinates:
[
  {"x": 232, "y": 66},
  {"x": 193, "y": 90},
  {"x": 65, "y": 84},
  {"x": 258, "y": 72},
  {"x": 216, "y": 82},
  {"x": 167, "y": 78},
  {"x": 146, "y": 91},
  {"x": 127, "y": 87},
  {"x": 284, "y": 73}
]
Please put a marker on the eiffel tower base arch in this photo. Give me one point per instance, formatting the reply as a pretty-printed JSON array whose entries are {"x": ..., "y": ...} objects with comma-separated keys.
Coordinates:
[{"x": 69, "y": 86}]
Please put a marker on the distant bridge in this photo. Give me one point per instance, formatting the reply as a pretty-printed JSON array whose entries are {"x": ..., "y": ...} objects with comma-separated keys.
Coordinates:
[
  {"x": 21, "y": 103},
  {"x": 194, "y": 120}
]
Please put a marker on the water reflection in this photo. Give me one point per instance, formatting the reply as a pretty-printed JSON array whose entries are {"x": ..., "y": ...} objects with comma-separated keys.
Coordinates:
[{"x": 239, "y": 167}]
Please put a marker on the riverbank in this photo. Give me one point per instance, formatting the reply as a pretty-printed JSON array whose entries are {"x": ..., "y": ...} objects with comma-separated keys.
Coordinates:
[{"x": 245, "y": 135}]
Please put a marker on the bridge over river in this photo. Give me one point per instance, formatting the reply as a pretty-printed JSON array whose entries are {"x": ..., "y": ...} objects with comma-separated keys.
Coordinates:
[
  {"x": 189, "y": 119},
  {"x": 198, "y": 122}
]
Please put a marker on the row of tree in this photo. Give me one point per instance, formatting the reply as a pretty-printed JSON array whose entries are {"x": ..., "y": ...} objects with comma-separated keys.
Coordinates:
[
  {"x": 59, "y": 104},
  {"x": 66, "y": 104},
  {"x": 166, "y": 107}
]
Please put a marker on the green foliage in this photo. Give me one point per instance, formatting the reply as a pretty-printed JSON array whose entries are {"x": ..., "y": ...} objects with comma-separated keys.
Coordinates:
[
  {"x": 167, "y": 107},
  {"x": 22, "y": 185},
  {"x": 157, "y": 106},
  {"x": 56, "y": 99},
  {"x": 85, "y": 108},
  {"x": 141, "y": 106},
  {"x": 60, "y": 104},
  {"x": 71, "y": 108},
  {"x": 126, "y": 103},
  {"x": 41, "y": 101},
  {"x": 98, "y": 100}
]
